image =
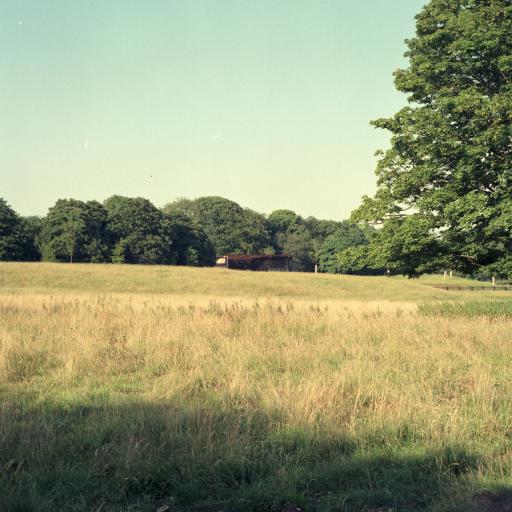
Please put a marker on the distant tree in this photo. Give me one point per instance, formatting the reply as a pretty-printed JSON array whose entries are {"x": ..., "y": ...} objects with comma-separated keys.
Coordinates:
[
  {"x": 72, "y": 226},
  {"x": 137, "y": 231},
  {"x": 190, "y": 245},
  {"x": 230, "y": 228},
  {"x": 444, "y": 185},
  {"x": 301, "y": 238},
  {"x": 182, "y": 205},
  {"x": 30, "y": 227},
  {"x": 10, "y": 233},
  {"x": 96, "y": 247},
  {"x": 321, "y": 229},
  {"x": 346, "y": 235},
  {"x": 283, "y": 221},
  {"x": 129, "y": 215},
  {"x": 301, "y": 246},
  {"x": 74, "y": 230},
  {"x": 254, "y": 237}
]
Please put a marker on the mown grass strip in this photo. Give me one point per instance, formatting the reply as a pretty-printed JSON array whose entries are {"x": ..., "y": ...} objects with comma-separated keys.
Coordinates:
[{"x": 470, "y": 309}]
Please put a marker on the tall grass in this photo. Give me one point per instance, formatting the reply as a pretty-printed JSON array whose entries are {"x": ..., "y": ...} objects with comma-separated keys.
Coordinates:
[{"x": 134, "y": 402}]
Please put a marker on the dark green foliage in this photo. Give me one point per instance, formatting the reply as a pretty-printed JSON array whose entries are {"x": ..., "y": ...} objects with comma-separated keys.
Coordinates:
[
  {"x": 141, "y": 233},
  {"x": 358, "y": 260},
  {"x": 96, "y": 248},
  {"x": 230, "y": 228},
  {"x": 129, "y": 215},
  {"x": 304, "y": 239},
  {"x": 10, "y": 233},
  {"x": 18, "y": 235},
  {"x": 283, "y": 221},
  {"x": 299, "y": 244},
  {"x": 74, "y": 231},
  {"x": 321, "y": 229},
  {"x": 451, "y": 152},
  {"x": 402, "y": 246},
  {"x": 190, "y": 244},
  {"x": 29, "y": 232},
  {"x": 346, "y": 235},
  {"x": 290, "y": 236},
  {"x": 312, "y": 241},
  {"x": 299, "y": 238},
  {"x": 137, "y": 248},
  {"x": 137, "y": 231},
  {"x": 501, "y": 268}
]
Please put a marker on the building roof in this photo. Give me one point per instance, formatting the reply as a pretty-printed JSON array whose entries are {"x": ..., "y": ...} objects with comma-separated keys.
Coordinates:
[{"x": 252, "y": 257}]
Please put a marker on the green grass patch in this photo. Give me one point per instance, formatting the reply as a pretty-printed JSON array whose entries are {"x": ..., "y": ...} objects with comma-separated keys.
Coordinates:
[
  {"x": 137, "y": 456},
  {"x": 471, "y": 309}
]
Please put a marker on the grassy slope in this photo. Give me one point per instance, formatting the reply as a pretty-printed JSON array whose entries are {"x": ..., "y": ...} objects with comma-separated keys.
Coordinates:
[
  {"x": 219, "y": 283},
  {"x": 121, "y": 388}
]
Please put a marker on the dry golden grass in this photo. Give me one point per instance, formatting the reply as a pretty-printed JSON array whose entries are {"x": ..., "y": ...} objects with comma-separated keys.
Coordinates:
[{"x": 238, "y": 402}]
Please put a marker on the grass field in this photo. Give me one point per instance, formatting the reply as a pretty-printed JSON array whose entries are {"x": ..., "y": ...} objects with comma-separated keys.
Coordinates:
[{"x": 138, "y": 388}]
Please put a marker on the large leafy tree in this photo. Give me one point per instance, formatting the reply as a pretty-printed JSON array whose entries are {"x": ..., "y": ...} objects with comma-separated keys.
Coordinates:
[
  {"x": 444, "y": 185},
  {"x": 137, "y": 231},
  {"x": 74, "y": 231}
]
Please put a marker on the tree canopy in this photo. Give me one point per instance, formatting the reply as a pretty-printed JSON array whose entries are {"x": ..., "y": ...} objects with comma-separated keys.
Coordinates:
[
  {"x": 230, "y": 228},
  {"x": 283, "y": 221},
  {"x": 137, "y": 231},
  {"x": 190, "y": 245},
  {"x": 10, "y": 233},
  {"x": 444, "y": 185},
  {"x": 74, "y": 230},
  {"x": 346, "y": 235}
]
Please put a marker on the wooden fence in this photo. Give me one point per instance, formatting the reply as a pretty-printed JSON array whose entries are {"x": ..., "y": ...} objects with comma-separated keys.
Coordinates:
[{"x": 488, "y": 288}]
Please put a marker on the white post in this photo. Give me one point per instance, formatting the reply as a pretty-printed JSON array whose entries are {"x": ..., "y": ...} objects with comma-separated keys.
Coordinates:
[
  {"x": 451, "y": 273},
  {"x": 494, "y": 281},
  {"x": 445, "y": 275}
]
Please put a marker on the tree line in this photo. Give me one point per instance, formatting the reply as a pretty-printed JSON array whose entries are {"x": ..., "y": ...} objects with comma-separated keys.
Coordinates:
[
  {"x": 184, "y": 232},
  {"x": 443, "y": 197}
]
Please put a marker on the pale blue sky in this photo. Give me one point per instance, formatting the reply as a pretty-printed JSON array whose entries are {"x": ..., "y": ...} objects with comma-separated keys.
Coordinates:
[{"x": 266, "y": 102}]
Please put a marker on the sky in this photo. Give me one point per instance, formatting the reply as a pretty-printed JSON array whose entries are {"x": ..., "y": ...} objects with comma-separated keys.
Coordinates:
[{"x": 265, "y": 102}]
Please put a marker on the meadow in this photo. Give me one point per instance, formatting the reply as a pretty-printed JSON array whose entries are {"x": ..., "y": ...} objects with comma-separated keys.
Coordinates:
[{"x": 142, "y": 388}]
